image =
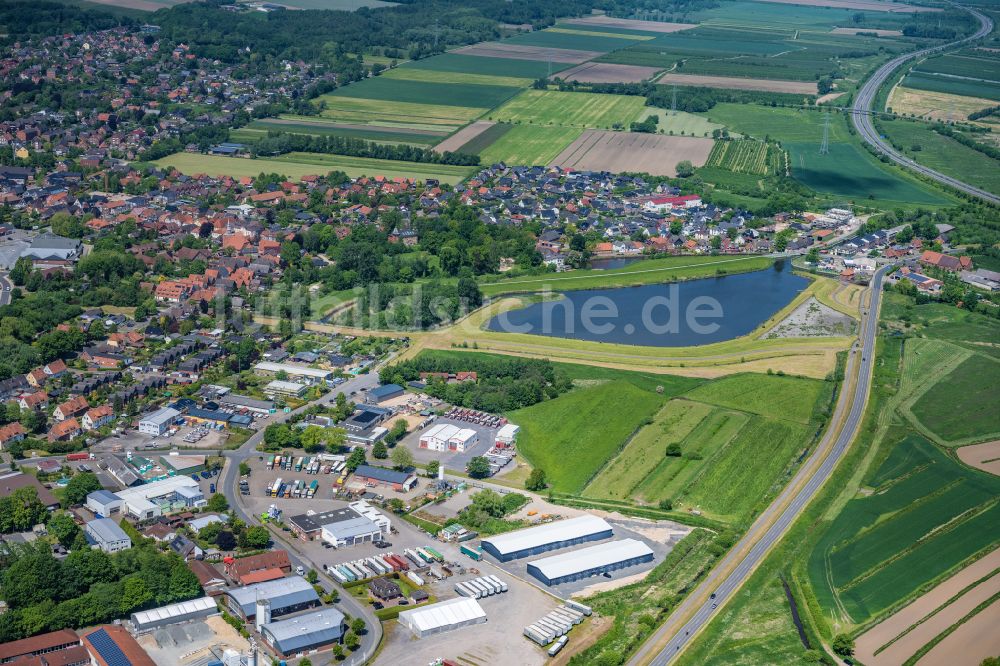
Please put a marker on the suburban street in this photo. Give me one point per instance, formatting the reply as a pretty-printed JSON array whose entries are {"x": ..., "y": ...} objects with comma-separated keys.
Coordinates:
[
  {"x": 5, "y": 287},
  {"x": 861, "y": 112},
  {"x": 769, "y": 528}
]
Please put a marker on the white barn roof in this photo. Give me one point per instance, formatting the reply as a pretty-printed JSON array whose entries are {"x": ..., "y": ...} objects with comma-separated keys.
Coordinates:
[
  {"x": 156, "y": 617},
  {"x": 437, "y": 617},
  {"x": 293, "y": 370},
  {"x": 585, "y": 559},
  {"x": 562, "y": 530}
]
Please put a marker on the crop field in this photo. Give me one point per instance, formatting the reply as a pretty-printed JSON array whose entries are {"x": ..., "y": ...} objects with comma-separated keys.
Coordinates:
[
  {"x": 747, "y": 156},
  {"x": 345, "y": 5},
  {"x": 847, "y": 171},
  {"x": 576, "y": 40},
  {"x": 528, "y": 145},
  {"x": 594, "y": 22},
  {"x": 606, "y": 72},
  {"x": 968, "y": 64},
  {"x": 771, "y": 85},
  {"x": 296, "y": 165},
  {"x": 617, "y": 152},
  {"x": 464, "y": 136},
  {"x": 470, "y": 64},
  {"x": 426, "y": 92},
  {"x": 605, "y": 33},
  {"x": 953, "y": 86},
  {"x": 570, "y": 109},
  {"x": 322, "y": 127},
  {"x": 622, "y": 409},
  {"x": 943, "y": 153},
  {"x": 931, "y": 105},
  {"x": 377, "y": 112},
  {"x": 963, "y": 404},
  {"x": 508, "y": 50},
  {"x": 773, "y": 396},
  {"x": 483, "y": 140},
  {"x": 410, "y": 73},
  {"x": 797, "y": 17},
  {"x": 678, "y": 122},
  {"x": 870, "y": 5}
]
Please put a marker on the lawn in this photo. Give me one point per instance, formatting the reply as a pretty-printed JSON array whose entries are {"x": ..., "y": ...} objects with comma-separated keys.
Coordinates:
[
  {"x": 296, "y": 165},
  {"x": 678, "y": 122},
  {"x": 398, "y": 114},
  {"x": 963, "y": 404},
  {"x": 410, "y": 72},
  {"x": 528, "y": 145},
  {"x": 427, "y": 92},
  {"x": 570, "y": 109},
  {"x": 787, "y": 398},
  {"x": 943, "y": 153},
  {"x": 562, "y": 436},
  {"x": 848, "y": 170}
]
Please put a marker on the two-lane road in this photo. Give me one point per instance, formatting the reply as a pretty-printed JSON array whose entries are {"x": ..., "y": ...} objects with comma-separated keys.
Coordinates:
[
  {"x": 702, "y": 604},
  {"x": 861, "y": 111}
]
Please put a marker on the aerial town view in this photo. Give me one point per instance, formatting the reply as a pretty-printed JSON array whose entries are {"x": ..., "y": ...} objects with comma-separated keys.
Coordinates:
[{"x": 499, "y": 333}]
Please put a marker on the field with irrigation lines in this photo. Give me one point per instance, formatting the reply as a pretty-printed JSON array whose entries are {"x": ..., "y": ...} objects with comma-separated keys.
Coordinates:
[
  {"x": 376, "y": 112},
  {"x": 988, "y": 89},
  {"x": 458, "y": 63},
  {"x": 747, "y": 156}
]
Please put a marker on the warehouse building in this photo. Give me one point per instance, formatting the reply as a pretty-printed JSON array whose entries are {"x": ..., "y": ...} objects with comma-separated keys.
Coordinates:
[
  {"x": 282, "y": 388},
  {"x": 382, "y": 393},
  {"x": 285, "y": 595},
  {"x": 444, "y": 616},
  {"x": 155, "y": 618},
  {"x": 104, "y": 503},
  {"x": 159, "y": 421},
  {"x": 380, "y": 476},
  {"x": 543, "y": 538},
  {"x": 106, "y": 534},
  {"x": 507, "y": 435},
  {"x": 591, "y": 561},
  {"x": 300, "y": 372},
  {"x": 154, "y": 499},
  {"x": 350, "y": 532},
  {"x": 302, "y": 633},
  {"x": 234, "y": 401},
  {"x": 447, "y": 437}
]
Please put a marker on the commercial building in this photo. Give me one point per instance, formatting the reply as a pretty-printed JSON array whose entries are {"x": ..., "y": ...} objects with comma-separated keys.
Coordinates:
[
  {"x": 447, "y": 437},
  {"x": 113, "y": 646},
  {"x": 284, "y": 596},
  {"x": 106, "y": 534},
  {"x": 302, "y": 633},
  {"x": 380, "y": 476},
  {"x": 350, "y": 532},
  {"x": 159, "y": 421},
  {"x": 217, "y": 418},
  {"x": 104, "y": 503},
  {"x": 288, "y": 389},
  {"x": 591, "y": 561},
  {"x": 507, "y": 435},
  {"x": 443, "y": 616},
  {"x": 51, "y": 247},
  {"x": 154, "y": 499},
  {"x": 383, "y": 393},
  {"x": 273, "y": 560},
  {"x": 301, "y": 372},
  {"x": 550, "y": 536},
  {"x": 234, "y": 401},
  {"x": 180, "y": 612},
  {"x": 356, "y": 523},
  {"x": 54, "y": 641}
]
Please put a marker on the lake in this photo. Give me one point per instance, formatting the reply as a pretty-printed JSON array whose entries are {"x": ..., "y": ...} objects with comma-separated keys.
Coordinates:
[{"x": 679, "y": 314}]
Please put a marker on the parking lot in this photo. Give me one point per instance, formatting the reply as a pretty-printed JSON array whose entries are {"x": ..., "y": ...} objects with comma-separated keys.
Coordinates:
[{"x": 451, "y": 459}]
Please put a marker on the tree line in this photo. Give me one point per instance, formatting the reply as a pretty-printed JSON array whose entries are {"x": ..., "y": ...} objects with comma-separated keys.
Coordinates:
[{"x": 278, "y": 143}]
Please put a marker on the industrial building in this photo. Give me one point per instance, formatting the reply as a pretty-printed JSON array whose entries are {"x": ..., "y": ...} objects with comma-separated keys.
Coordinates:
[
  {"x": 112, "y": 645},
  {"x": 350, "y": 532},
  {"x": 50, "y": 643},
  {"x": 282, "y": 596},
  {"x": 382, "y": 393},
  {"x": 158, "y": 422},
  {"x": 447, "y": 437},
  {"x": 104, "y": 503},
  {"x": 234, "y": 401},
  {"x": 302, "y": 633},
  {"x": 288, "y": 389},
  {"x": 591, "y": 561},
  {"x": 443, "y": 616},
  {"x": 301, "y": 372},
  {"x": 507, "y": 435},
  {"x": 550, "y": 536},
  {"x": 380, "y": 476},
  {"x": 154, "y": 499},
  {"x": 155, "y": 618},
  {"x": 106, "y": 534}
]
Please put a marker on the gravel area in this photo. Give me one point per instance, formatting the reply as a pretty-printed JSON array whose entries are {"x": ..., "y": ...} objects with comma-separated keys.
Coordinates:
[{"x": 812, "y": 319}]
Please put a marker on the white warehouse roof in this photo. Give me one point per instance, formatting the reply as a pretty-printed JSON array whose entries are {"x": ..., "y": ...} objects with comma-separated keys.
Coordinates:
[
  {"x": 293, "y": 370},
  {"x": 508, "y": 431},
  {"x": 443, "y": 431},
  {"x": 566, "y": 564},
  {"x": 157, "y": 488},
  {"x": 161, "y": 416},
  {"x": 562, "y": 530},
  {"x": 464, "y": 435},
  {"x": 156, "y": 617},
  {"x": 443, "y": 616}
]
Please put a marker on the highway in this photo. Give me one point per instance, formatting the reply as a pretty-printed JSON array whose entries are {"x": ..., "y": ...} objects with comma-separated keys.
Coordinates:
[
  {"x": 861, "y": 111},
  {"x": 728, "y": 576}
]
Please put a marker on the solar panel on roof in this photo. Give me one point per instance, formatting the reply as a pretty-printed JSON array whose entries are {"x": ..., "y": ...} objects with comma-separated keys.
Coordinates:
[{"x": 108, "y": 649}]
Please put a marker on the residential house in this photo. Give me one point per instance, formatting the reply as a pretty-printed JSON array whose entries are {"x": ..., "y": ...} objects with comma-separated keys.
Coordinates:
[
  {"x": 70, "y": 408},
  {"x": 65, "y": 430},
  {"x": 12, "y": 432},
  {"x": 97, "y": 417}
]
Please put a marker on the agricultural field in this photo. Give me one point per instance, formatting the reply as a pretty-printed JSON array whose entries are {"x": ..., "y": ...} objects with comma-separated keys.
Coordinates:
[
  {"x": 296, "y": 165},
  {"x": 344, "y": 5},
  {"x": 427, "y": 92},
  {"x": 923, "y": 144},
  {"x": 772, "y": 396},
  {"x": 617, "y": 152},
  {"x": 848, "y": 171},
  {"x": 747, "y": 156},
  {"x": 962, "y": 405},
  {"x": 528, "y": 145},
  {"x": 605, "y": 72},
  {"x": 463, "y": 136},
  {"x": 641, "y": 27},
  {"x": 410, "y": 72},
  {"x": 485, "y": 139},
  {"x": 577, "y": 40},
  {"x": 378, "y": 113},
  {"x": 509, "y": 51},
  {"x": 569, "y": 109},
  {"x": 987, "y": 89},
  {"x": 770, "y": 85},
  {"x": 678, "y": 122},
  {"x": 457, "y": 63},
  {"x": 318, "y": 126},
  {"x": 806, "y": 16},
  {"x": 930, "y": 105}
]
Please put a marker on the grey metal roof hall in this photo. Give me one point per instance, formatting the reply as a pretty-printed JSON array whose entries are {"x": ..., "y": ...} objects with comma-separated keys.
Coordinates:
[
  {"x": 281, "y": 593},
  {"x": 306, "y": 631}
]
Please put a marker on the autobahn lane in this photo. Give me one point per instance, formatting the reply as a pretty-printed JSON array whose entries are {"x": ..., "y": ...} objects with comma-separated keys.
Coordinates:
[
  {"x": 702, "y": 605},
  {"x": 861, "y": 111}
]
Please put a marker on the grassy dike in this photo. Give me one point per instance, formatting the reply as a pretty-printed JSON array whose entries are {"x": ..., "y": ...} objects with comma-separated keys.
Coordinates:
[{"x": 756, "y": 626}]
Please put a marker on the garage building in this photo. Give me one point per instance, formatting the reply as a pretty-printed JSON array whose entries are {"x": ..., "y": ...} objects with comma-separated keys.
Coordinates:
[
  {"x": 543, "y": 538},
  {"x": 507, "y": 435},
  {"x": 591, "y": 561},
  {"x": 302, "y": 633},
  {"x": 104, "y": 503},
  {"x": 181, "y": 612},
  {"x": 444, "y": 616},
  {"x": 285, "y": 595}
]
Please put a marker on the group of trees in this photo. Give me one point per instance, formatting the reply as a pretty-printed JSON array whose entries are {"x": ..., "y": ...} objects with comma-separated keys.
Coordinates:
[
  {"x": 420, "y": 306},
  {"x": 277, "y": 143},
  {"x": 234, "y": 533},
  {"x": 503, "y": 383},
  {"x": 88, "y": 587},
  {"x": 488, "y": 511}
]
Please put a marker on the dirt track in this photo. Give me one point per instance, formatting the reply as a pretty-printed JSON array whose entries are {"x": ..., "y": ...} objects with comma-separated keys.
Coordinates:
[
  {"x": 919, "y": 609},
  {"x": 463, "y": 136},
  {"x": 631, "y": 24},
  {"x": 971, "y": 643},
  {"x": 522, "y": 52},
  {"x": 982, "y": 456},
  {"x": 656, "y": 154},
  {"x": 769, "y": 85},
  {"x": 871, "y": 5},
  {"x": 604, "y": 72}
]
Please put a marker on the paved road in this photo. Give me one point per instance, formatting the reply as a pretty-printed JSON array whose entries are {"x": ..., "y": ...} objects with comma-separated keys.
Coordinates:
[
  {"x": 5, "y": 287},
  {"x": 768, "y": 529},
  {"x": 861, "y": 114}
]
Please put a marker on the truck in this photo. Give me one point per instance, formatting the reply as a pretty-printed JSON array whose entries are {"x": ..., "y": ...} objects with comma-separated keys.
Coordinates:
[
  {"x": 270, "y": 462},
  {"x": 434, "y": 554},
  {"x": 298, "y": 464},
  {"x": 78, "y": 456},
  {"x": 471, "y": 551},
  {"x": 313, "y": 487}
]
